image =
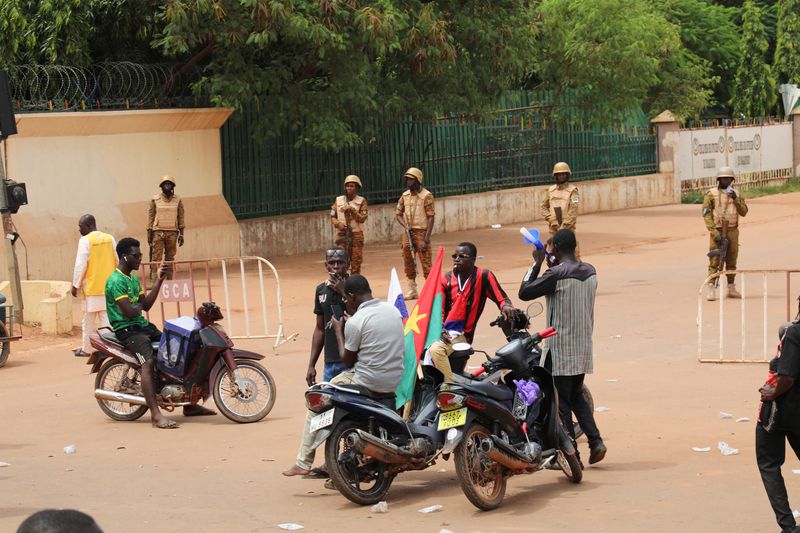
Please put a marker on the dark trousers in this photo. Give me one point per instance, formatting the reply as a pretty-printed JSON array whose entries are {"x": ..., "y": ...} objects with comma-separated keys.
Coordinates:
[
  {"x": 138, "y": 340},
  {"x": 571, "y": 400},
  {"x": 770, "y": 456}
]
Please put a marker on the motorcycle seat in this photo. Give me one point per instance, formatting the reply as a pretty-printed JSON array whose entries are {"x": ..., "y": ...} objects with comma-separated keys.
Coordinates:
[
  {"x": 495, "y": 392},
  {"x": 385, "y": 398},
  {"x": 109, "y": 335}
]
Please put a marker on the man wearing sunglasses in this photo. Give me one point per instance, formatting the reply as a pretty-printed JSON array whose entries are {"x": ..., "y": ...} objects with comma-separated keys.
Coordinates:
[
  {"x": 125, "y": 303},
  {"x": 465, "y": 289}
]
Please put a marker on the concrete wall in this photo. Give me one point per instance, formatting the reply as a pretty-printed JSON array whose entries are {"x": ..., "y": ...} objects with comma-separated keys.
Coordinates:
[
  {"x": 47, "y": 304},
  {"x": 109, "y": 164},
  {"x": 308, "y": 232}
]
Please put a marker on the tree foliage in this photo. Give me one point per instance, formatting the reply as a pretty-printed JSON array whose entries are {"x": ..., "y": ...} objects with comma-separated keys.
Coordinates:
[
  {"x": 619, "y": 54},
  {"x": 710, "y": 35},
  {"x": 317, "y": 65},
  {"x": 75, "y": 32},
  {"x": 787, "y": 47},
  {"x": 754, "y": 94}
]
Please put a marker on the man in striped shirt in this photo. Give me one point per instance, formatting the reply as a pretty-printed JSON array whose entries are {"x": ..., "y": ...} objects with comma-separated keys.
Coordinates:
[
  {"x": 465, "y": 290},
  {"x": 570, "y": 287}
]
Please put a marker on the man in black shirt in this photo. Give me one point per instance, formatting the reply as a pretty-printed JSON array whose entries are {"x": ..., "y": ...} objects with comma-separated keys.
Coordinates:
[
  {"x": 772, "y": 434},
  {"x": 327, "y": 295}
]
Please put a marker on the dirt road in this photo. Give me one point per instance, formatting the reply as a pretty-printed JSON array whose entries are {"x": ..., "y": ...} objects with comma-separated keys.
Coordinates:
[{"x": 214, "y": 475}]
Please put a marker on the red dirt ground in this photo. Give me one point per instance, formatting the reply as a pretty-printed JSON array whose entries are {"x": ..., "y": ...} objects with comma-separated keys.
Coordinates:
[{"x": 214, "y": 475}]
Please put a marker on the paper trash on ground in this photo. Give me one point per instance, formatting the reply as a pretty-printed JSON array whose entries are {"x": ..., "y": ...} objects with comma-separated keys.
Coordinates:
[
  {"x": 743, "y": 419},
  {"x": 431, "y": 509},
  {"x": 3, "y": 465},
  {"x": 291, "y": 527},
  {"x": 70, "y": 449},
  {"x": 601, "y": 409},
  {"x": 696, "y": 449},
  {"x": 725, "y": 449},
  {"x": 723, "y": 415},
  {"x": 795, "y": 470},
  {"x": 380, "y": 507}
]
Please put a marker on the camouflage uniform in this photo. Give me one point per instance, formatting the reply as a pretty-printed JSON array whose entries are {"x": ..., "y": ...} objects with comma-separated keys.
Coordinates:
[
  {"x": 416, "y": 207},
  {"x": 718, "y": 206},
  {"x": 166, "y": 221},
  {"x": 354, "y": 242},
  {"x": 566, "y": 197}
]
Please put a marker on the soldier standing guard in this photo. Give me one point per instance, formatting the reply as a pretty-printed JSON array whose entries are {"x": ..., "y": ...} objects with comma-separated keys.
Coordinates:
[
  {"x": 348, "y": 213},
  {"x": 560, "y": 206},
  {"x": 722, "y": 207},
  {"x": 415, "y": 212},
  {"x": 165, "y": 224}
]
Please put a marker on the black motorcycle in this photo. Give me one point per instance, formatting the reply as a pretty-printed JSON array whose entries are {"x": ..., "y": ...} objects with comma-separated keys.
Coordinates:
[{"x": 497, "y": 430}]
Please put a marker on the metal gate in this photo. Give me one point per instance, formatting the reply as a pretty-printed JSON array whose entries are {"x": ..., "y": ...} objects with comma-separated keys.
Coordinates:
[
  {"x": 248, "y": 289},
  {"x": 755, "y": 319}
]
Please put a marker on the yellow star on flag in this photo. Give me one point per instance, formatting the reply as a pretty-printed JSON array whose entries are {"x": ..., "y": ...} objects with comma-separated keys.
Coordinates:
[{"x": 411, "y": 323}]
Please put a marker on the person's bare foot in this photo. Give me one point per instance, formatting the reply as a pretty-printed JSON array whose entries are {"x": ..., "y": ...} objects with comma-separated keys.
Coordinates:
[
  {"x": 296, "y": 470},
  {"x": 164, "y": 423},
  {"x": 197, "y": 410}
]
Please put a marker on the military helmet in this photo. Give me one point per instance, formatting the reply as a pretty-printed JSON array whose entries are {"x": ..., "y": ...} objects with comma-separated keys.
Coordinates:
[
  {"x": 725, "y": 172},
  {"x": 167, "y": 178},
  {"x": 352, "y": 178},
  {"x": 560, "y": 168},
  {"x": 414, "y": 173}
]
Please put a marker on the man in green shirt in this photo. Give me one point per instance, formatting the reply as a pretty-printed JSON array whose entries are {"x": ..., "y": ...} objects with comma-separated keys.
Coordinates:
[{"x": 125, "y": 302}]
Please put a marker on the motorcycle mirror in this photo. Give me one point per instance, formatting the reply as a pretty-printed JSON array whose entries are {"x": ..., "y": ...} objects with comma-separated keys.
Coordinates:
[{"x": 534, "y": 309}]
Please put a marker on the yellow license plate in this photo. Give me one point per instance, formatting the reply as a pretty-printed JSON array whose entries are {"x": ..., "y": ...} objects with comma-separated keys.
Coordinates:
[{"x": 452, "y": 419}]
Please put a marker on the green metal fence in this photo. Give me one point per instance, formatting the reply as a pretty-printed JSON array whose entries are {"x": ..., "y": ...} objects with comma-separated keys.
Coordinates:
[{"x": 511, "y": 148}]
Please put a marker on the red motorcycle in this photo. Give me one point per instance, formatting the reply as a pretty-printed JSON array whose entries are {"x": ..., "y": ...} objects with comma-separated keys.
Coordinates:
[{"x": 204, "y": 363}]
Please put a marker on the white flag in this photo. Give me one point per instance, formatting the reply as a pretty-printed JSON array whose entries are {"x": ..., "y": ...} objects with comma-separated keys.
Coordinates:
[{"x": 395, "y": 296}]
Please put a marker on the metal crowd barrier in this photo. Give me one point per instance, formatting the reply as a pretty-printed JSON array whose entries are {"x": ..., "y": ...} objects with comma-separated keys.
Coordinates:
[
  {"x": 245, "y": 317},
  {"x": 769, "y": 338}
]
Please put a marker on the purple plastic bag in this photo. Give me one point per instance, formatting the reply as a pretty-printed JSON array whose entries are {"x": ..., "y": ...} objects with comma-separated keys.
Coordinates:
[{"x": 528, "y": 391}]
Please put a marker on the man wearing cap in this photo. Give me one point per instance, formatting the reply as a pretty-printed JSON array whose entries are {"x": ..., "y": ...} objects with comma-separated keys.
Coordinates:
[
  {"x": 722, "y": 207},
  {"x": 348, "y": 214},
  {"x": 415, "y": 212},
  {"x": 560, "y": 206},
  {"x": 165, "y": 224}
]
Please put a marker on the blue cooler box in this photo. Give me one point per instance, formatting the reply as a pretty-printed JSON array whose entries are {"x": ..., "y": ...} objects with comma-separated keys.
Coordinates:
[{"x": 177, "y": 343}]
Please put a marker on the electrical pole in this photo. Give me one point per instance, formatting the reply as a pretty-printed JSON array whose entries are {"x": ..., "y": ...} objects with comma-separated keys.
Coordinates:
[{"x": 11, "y": 252}]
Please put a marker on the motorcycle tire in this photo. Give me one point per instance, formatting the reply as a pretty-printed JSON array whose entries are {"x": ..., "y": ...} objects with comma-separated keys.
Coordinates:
[
  {"x": 587, "y": 395},
  {"x": 570, "y": 465},
  {"x": 5, "y": 349},
  {"x": 110, "y": 378},
  {"x": 475, "y": 471},
  {"x": 340, "y": 459},
  {"x": 249, "y": 406}
]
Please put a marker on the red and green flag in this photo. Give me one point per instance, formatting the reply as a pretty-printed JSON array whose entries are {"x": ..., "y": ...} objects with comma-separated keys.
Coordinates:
[{"x": 422, "y": 328}]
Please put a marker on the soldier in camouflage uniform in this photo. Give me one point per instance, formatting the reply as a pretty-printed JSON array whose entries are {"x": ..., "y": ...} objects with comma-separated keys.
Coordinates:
[
  {"x": 723, "y": 204},
  {"x": 165, "y": 224},
  {"x": 415, "y": 212},
  {"x": 561, "y": 198},
  {"x": 348, "y": 214}
]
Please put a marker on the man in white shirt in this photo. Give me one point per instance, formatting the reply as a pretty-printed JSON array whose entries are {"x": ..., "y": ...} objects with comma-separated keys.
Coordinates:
[{"x": 94, "y": 262}]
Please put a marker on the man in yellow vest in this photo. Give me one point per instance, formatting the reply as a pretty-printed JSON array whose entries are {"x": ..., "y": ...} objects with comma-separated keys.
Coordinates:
[
  {"x": 722, "y": 207},
  {"x": 560, "y": 206},
  {"x": 95, "y": 261},
  {"x": 415, "y": 212},
  {"x": 348, "y": 214},
  {"x": 164, "y": 224}
]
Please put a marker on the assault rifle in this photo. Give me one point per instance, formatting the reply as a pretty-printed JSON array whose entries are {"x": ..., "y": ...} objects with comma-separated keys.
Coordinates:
[
  {"x": 559, "y": 216},
  {"x": 722, "y": 251}
]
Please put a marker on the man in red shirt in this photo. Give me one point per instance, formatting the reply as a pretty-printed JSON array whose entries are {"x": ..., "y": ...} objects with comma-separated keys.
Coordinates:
[{"x": 465, "y": 289}]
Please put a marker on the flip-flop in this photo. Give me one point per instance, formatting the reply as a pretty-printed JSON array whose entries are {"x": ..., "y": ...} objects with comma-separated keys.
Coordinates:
[
  {"x": 298, "y": 472},
  {"x": 201, "y": 411},
  {"x": 317, "y": 473}
]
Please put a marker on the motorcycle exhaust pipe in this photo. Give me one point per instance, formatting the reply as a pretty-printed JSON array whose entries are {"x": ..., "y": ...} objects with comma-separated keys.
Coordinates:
[
  {"x": 499, "y": 456},
  {"x": 384, "y": 452},
  {"x": 112, "y": 396}
]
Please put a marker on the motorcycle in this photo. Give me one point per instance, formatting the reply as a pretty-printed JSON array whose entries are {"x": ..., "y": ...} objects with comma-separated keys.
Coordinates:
[
  {"x": 243, "y": 390},
  {"x": 513, "y": 427}
]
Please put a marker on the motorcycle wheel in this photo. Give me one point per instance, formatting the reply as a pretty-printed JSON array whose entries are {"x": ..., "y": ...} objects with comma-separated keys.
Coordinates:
[
  {"x": 482, "y": 480},
  {"x": 6, "y": 347},
  {"x": 570, "y": 465},
  {"x": 252, "y": 404},
  {"x": 120, "y": 377},
  {"x": 360, "y": 479},
  {"x": 587, "y": 395}
]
